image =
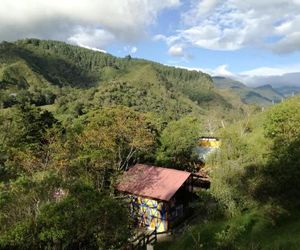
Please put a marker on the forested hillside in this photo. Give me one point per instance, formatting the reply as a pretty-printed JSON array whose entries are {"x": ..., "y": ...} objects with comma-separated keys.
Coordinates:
[
  {"x": 72, "y": 120},
  {"x": 74, "y": 80}
]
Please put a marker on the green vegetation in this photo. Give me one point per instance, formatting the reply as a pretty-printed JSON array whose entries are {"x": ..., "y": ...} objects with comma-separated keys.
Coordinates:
[
  {"x": 253, "y": 202},
  {"x": 75, "y": 80},
  {"x": 178, "y": 142},
  {"x": 248, "y": 231},
  {"x": 57, "y": 182},
  {"x": 72, "y": 120}
]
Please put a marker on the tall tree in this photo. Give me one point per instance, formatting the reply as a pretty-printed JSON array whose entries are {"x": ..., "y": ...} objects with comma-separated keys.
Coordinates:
[{"x": 178, "y": 141}]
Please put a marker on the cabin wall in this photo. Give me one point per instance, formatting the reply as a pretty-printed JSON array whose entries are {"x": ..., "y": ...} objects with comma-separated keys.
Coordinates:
[{"x": 150, "y": 213}]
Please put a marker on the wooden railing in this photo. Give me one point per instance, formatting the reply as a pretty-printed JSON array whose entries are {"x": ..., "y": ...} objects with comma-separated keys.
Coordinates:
[
  {"x": 143, "y": 239},
  {"x": 152, "y": 237}
]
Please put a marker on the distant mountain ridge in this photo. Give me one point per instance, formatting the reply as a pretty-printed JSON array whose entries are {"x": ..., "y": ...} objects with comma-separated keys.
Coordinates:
[
  {"x": 287, "y": 91},
  {"x": 262, "y": 95}
]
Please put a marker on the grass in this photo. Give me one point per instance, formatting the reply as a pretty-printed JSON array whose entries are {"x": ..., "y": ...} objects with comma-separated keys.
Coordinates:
[
  {"x": 248, "y": 231},
  {"x": 50, "y": 107}
]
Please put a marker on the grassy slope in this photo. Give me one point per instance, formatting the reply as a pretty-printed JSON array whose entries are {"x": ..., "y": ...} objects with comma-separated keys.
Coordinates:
[
  {"x": 19, "y": 74},
  {"x": 258, "y": 234}
]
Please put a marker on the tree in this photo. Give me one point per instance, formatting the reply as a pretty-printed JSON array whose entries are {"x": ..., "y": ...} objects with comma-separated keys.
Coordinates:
[
  {"x": 178, "y": 141},
  {"x": 283, "y": 123},
  {"x": 23, "y": 132},
  {"x": 111, "y": 140},
  {"x": 282, "y": 173},
  {"x": 46, "y": 212}
]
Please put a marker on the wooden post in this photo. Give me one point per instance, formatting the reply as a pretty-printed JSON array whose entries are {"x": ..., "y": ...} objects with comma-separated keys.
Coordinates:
[
  {"x": 150, "y": 247},
  {"x": 167, "y": 216}
]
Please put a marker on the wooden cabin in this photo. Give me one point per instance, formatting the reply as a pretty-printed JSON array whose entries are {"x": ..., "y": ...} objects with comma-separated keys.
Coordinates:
[{"x": 158, "y": 196}]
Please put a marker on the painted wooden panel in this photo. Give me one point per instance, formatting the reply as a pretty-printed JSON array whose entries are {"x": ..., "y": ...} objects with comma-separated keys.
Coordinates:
[{"x": 150, "y": 213}]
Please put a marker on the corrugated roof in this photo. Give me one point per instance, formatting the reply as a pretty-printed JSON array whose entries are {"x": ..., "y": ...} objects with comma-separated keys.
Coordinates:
[{"x": 152, "y": 182}]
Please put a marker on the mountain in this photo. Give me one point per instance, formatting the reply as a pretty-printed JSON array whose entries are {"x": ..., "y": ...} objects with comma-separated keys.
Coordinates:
[
  {"x": 269, "y": 92},
  {"x": 224, "y": 82},
  {"x": 263, "y": 95},
  {"x": 287, "y": 90},
  {"x": 286, "y": 84},
  {"x": 73, "y": 79}
]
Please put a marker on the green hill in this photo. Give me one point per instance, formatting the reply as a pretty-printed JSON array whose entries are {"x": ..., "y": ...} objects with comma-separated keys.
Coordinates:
[{"x": 75, "y": 79}]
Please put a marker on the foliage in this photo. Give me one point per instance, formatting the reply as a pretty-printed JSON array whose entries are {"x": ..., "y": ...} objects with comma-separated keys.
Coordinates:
[
  {"x": 251, "y": 230},
  {"x": 254, "y": 181},
  {"x": 281, "y": 175},
  {"x": 227, "y": 237},
  {"x": 74, "y": 79},
  {"x": 178, "y": 141},
  {"x": 45, "y": 212},
  {"x": 113, "y": 139},
  {"x": 230, "y": 167},
  {"x": 23, "y": 133},
  {"x": 283, "y": 123},
  {"x": 71, "y": 120}
]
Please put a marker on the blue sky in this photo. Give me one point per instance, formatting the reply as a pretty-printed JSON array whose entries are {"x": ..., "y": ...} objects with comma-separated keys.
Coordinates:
[{"x": 247, "y": 40}]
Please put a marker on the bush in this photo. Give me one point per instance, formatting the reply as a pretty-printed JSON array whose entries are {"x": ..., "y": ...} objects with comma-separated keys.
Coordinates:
[{"x": 226, "y": 239}]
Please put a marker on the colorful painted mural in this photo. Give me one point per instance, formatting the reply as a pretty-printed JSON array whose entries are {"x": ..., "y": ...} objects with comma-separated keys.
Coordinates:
[
  {"x": 156, "y": 195},
  {"x": 150, "y": 213}
]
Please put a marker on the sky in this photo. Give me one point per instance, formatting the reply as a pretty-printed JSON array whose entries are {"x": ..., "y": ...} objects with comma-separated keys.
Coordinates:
[{"x": 254, "y": 41}]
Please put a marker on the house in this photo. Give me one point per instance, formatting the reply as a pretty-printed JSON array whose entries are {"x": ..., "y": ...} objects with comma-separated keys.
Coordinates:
[
  {"x": 209, "y": 142},
  {"x": 206, "y": 146},
  {"x": 158, "y": 196}
]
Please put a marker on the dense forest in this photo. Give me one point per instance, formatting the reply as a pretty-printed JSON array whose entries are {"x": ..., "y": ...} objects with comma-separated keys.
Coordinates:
[
  {"x": 72, "y": 120},
  {"x": 253, "y": 202}
]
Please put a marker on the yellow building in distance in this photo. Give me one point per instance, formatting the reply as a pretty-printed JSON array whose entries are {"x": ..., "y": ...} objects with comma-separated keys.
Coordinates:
[
  {"x": 209, "y": 142},
  {"x": 206, "y": 146}
]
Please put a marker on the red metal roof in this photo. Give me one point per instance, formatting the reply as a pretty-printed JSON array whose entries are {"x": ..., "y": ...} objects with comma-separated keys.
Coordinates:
[{"x": 152, "y": 182}]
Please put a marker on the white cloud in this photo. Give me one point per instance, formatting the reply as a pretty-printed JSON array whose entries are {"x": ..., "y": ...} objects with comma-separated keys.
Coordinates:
[
  {"x": 133, "y": 50},
  {"x": 176, "y": 50},
  {"x": 92, "y": 48},
  {"x": 91, "y": 38},
  {"x": 124, "y": 20},
  {"x": 130, "y": 50},
  {"x": 288, "y": 75},
  {"x": 222, "y": 70},
  {"x": 168, "y": 39},
  {"x": 288, "y": 44},
  {"x": 198, "y": 10},
  {"x": 234, "y": 24},
  {"x": 271, "y": 71}
]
